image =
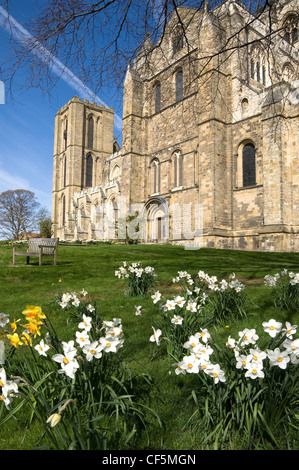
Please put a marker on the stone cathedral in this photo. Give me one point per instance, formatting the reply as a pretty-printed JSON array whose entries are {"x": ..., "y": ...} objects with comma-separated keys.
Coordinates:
[{"x": 210, "y": 138}]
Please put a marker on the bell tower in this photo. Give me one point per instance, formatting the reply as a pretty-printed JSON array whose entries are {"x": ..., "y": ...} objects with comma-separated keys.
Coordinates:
[{"x": 83, "y": 139}]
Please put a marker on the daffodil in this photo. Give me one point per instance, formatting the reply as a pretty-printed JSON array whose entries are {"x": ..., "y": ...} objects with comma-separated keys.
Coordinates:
[
  {"x": 278, "y": 358},
  {"x": 14, "y": 325},
  {"x": 86, "y": 323},
  {"x": 54, "y": 419},
  {"x": 255, "y": 370},
  {"x": 155, "y": 336},
  {"x": 82, "y": 338},
  {"x": 15, "y": 340},
  {"x": 4, "y": 319},
  {"x": 272, "y": 327},
  {"x": 214, "y": 371},
  {"x": 93, "y": 350},
  {"x": 33, "y": 312},
  {"x": 34, "y": 327},
  {"x": 42, "y": 348},
  {"x": 67, "y": 360},
  {"x": 26, "y": 338}
]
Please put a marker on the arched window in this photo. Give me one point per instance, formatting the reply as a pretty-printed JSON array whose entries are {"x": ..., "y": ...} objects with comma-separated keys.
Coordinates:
[
  {"x": 291, "y": 29},
  {"x": 90, "y": 133},
  {"x": 177, "y": 40},
  {"x": 177, "y": 169},
  {"x": 157, "y": 98},
  {"x": 179, "y": 86},
  {"x": 63, "y": 211},
  {"x": 258, "y": 69},
  {"x": 89, "y": 171},
  {"x": 288, "y": 73},
  {"x": 155, "y": 176},
  {"x": 248, "y": 164},
  {"x": 115, "y": 173},
  {"x": 65, "y": 135},
  {"x": 64, "y": 172}
]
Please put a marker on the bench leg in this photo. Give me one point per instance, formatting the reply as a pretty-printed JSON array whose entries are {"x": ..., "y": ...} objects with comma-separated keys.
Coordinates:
[
  {"x": 40, "y": 259},
  {"x": 27, "y": 259}
]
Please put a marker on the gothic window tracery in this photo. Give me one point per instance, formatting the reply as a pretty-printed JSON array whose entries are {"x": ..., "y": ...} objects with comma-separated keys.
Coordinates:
[
  {"x": 290, "y": 26},
  {"x": 258, "y": 69}
]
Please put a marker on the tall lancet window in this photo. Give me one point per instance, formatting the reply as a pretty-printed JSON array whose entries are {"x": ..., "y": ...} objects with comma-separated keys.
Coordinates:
[
  {"x": 65, "y": 135},
  {"x": 63, "y": 211},
  {"x": 90, "y": 132},
  {"x": 89, "y": 171},
  {"x": 179, "y": 85},
  {"x": 249, "y": 172},
  {"x": 155, "y": 176},
  {"x": 177, "y": 169},
  {"x": 157, "y": 98},
  {"x": 64, "y": 172}
]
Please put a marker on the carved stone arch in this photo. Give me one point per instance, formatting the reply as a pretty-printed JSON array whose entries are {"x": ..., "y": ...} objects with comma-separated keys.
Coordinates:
[
  {"x": 156, "y": 215},
  {"x": 115, "y": 172},
  {"x": 288, "y": 72}
]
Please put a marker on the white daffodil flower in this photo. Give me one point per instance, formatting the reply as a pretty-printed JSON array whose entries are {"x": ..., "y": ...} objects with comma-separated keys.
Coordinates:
[
  {"x": 93, "y": 350},
  {"x": 42, "y": 348},
  {"x": 272, "y": 327},
  {"x": 155, "y": 336},
  {"x": 278, "y": 358}
]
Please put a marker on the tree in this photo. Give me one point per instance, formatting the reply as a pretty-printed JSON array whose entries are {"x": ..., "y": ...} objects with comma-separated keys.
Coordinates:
[
  {"x": 96, "y": 40},
  {"x": 17, "y": 212},
  {"x": 44, "y": 222}
]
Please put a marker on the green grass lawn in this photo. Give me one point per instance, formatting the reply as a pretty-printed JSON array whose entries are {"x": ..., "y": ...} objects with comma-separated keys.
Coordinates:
[{"x": 92, "y": 267}]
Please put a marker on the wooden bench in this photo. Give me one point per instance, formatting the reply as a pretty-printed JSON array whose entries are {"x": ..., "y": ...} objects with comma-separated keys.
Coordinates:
[{"x": 38, "y": 247}]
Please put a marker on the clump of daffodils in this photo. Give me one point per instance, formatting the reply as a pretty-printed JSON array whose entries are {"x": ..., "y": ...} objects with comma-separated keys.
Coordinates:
[
  {"x": 21, "y": 332},
  {"x": 87, "y": 346},
  {"x": 140, "y": 280},
  {"x": 251, "y": 359},
  {"x": 285, "y": 285}
]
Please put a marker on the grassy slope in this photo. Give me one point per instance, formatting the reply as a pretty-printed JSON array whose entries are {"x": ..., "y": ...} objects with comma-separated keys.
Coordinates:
[{"x": 92, "y": 268}]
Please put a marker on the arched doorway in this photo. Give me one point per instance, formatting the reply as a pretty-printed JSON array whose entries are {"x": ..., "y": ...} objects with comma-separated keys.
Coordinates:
[{"x": 157, "y": 220}]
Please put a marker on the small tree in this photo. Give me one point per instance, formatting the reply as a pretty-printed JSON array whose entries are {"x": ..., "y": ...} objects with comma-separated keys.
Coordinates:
[
  {"x": 17, "y": 212},
  {"x": 44, "y": 223}
]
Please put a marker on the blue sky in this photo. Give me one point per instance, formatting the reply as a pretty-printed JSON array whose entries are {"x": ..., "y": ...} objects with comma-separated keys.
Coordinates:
[{"x": 27, "y": 120}]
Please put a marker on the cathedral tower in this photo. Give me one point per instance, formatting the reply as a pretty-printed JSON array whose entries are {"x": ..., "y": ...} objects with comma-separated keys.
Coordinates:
[{"x": 83, "y": 139}]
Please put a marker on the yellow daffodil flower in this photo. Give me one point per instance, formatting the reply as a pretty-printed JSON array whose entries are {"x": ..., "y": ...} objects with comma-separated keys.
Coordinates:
[
  {"x": 14, "y": 325},
  {"x": 15, "y": 340},
  {"x": 26, "y": 338},
  {"x": 33, "y": 327},
  {"x": 33, "y": 312}
]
